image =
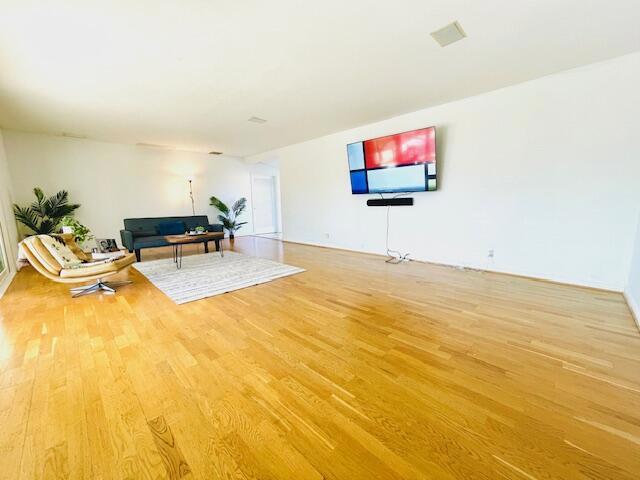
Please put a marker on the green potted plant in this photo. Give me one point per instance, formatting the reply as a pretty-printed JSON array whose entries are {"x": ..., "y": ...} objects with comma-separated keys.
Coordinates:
[
  {"x": 200, "y": 229},
  {"x": 229, "y": 216},
  {"x": 80, "y": 233},
  {"x": 44, "y": 215}
]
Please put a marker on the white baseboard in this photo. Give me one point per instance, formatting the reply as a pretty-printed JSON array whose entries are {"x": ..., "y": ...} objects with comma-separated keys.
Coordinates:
[
  {"x": 561, "y": 281},
  {"x": 633, "y": 306},
  {"x": 6, "y": 282}
]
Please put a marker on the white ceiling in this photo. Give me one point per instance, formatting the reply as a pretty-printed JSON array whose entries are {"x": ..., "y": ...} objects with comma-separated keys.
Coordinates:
[{"x": 189, "y": 73}]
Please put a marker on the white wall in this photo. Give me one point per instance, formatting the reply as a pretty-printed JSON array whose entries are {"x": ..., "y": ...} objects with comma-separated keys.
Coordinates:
[
  {"x": 6, "y": 217},
  {"x": 545, "y": 173},
  {"x": 115, "y": 181},
  {"x": 632, "y": 292}
]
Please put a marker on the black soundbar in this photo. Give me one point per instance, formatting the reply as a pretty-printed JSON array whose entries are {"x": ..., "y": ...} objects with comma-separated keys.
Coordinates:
[{"x": 390, "y": 202}]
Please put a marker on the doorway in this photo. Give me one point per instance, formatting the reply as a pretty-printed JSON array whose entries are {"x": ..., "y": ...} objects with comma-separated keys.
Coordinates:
[{"x": 265, "y": 213}]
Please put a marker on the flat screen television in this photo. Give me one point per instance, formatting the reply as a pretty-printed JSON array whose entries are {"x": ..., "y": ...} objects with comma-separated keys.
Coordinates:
[{"x": 404, "y": 162}]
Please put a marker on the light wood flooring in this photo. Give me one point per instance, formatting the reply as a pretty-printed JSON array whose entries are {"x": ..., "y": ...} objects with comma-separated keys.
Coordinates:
[{"x": 355, "y": 369}]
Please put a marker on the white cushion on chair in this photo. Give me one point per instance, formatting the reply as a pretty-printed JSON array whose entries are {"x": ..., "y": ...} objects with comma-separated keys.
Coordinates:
[{"x": 65, "y": 257}]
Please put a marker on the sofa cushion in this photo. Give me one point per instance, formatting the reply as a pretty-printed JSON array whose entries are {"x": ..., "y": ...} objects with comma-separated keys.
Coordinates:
[
  {"x": 150, "y": 241},
  {"x": 42, "y": 255},
  {"x": 63, "y": 255},
  {"x": 88, "y": 270},
  {"x": 68, "y": 239},
  {"x": 98, "y": 268},
  {"x": 171, "y": 228},
  {"x": 147, "y": 226},
  {"x": 144, "y": 233}
]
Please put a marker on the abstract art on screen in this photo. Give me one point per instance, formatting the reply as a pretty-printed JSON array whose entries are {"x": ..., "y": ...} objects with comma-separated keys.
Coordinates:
[{"x": 405, "y": 162}]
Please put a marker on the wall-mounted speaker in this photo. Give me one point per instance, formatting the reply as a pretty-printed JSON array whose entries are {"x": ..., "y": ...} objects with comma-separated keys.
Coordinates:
[{"x": 390, "y": 202}]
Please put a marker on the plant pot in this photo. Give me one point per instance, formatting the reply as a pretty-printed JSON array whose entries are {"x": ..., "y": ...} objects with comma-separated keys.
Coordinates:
[
  {"x": 231, "y": 236},
  {"x": 67, "y": 229}
]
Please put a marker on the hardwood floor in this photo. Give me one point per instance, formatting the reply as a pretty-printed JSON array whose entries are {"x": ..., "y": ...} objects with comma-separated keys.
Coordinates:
[{"x": 355, "y": 369}]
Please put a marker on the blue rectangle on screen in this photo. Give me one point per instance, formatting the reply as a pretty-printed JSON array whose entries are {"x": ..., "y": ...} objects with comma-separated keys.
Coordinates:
[
  {"x": 358, "y": 182},
  {"x": 355, "y": 151},
  {"x": 400, "y": 179}
]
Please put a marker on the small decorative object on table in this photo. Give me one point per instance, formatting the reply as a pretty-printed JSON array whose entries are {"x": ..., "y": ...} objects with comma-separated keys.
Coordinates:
[
  {"x": 107, "y": 250},
  {"x": 107, "y": 245},
  {"x": 80, "y": 233},
  {"x": 197, "y": 231},
  {"x": 107, "y": 255}
]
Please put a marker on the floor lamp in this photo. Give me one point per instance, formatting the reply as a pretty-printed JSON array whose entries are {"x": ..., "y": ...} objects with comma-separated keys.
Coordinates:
[{"x": 193, "y": 207}]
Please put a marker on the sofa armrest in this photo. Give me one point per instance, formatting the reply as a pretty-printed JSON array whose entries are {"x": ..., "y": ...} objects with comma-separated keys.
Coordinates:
[
  {"x": 216, "y": 227},
  {"x": 127, "y": 239}
]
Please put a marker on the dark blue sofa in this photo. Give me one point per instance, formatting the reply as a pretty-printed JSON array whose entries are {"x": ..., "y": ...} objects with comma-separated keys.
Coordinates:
[{"x": 139, "y": 233}]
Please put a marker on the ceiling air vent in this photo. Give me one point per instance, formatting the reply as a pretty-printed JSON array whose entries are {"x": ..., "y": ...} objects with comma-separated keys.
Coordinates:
[
  {"x": 449, "y": 34},
  {"x": 215, "y": 153}
]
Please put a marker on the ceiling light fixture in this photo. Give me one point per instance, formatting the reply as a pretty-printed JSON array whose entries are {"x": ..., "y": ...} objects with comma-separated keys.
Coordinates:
[
  {"x": 257, "y": 120},
  {"x": 449, "y": 34}
]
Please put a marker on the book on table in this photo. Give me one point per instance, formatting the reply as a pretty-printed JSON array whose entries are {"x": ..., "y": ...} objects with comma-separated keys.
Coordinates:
[{"x": 107, "y": 255}]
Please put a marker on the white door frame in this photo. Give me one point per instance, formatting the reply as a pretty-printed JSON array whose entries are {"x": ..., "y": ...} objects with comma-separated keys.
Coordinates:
[
  {"x": 274, "y": 183},
  {"x": 3, "y": 254}
]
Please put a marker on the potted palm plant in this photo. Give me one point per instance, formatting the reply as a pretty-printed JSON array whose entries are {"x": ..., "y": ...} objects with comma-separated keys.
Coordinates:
[
  {"x": 229, "y": 216},
  {"x": 44, "y": 215}
]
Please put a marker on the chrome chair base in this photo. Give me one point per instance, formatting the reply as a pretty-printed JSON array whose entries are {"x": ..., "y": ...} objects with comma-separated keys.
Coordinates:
[{"x": 107, "y": 287}]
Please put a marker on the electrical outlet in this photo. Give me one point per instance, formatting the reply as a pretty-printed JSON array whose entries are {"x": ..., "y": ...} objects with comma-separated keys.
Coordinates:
[{"x": 491, "y": 253}]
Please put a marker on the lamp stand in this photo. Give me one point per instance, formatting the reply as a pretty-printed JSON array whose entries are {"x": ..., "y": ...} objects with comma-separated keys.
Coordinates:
[{"x": 193, "y": 207}]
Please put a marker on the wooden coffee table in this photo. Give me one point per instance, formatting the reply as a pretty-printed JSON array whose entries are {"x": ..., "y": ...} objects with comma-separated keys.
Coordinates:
[{"x": 177, "y": 241}]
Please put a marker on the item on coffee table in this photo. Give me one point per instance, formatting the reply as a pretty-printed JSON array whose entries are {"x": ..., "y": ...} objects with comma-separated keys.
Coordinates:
[{"x": 107, "y": 245}]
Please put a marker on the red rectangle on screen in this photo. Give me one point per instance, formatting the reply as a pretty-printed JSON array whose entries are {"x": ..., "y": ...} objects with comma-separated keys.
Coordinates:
[{"x": 409, "y": 148}]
